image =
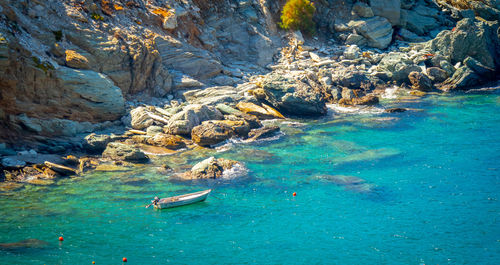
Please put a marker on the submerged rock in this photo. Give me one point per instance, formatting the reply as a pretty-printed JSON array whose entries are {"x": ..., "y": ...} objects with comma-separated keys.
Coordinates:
[
  {"x": 24, "y": 244},
  {"x": 394, "y": 110},
  {"x": 350, "y": 183},
  {"x": 264, "y": 132},
  {"x": 367, "y": 155}
]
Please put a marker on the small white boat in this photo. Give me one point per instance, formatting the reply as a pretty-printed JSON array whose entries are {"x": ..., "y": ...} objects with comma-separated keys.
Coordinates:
[{"x": 182, "y": 199}]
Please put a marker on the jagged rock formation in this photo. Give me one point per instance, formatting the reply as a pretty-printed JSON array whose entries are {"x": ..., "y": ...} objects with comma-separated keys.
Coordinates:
[{"x": 70, "y": 67}]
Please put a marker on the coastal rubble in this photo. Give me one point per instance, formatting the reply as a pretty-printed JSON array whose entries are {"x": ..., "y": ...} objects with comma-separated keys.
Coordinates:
[{"x": 183, "y": 77}]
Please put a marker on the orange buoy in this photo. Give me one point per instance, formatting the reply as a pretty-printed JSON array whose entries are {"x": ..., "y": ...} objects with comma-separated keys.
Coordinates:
[
  {"x": 124, "y": 259},
  {"x": 61, "y": 238},
  {"x": 93, "y": 262},
  {"x": 294, "y": 194}
]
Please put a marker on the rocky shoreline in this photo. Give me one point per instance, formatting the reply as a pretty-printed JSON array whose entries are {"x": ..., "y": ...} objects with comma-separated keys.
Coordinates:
[{"x": 174, "y": 95}]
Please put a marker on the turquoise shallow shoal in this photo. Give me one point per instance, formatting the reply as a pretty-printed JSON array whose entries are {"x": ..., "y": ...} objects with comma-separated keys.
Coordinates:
[{"x": 426, "y": 191}]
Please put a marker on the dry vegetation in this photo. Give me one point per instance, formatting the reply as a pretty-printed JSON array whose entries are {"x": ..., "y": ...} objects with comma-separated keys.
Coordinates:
[{"x": 461, "y": 4}]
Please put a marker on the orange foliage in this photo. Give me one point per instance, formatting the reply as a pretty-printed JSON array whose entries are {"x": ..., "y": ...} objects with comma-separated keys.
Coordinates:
[{"x": 162, "y": 12}]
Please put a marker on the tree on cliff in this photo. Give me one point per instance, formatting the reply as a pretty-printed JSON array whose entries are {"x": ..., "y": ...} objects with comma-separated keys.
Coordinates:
[{"x": 298, "y": 15}]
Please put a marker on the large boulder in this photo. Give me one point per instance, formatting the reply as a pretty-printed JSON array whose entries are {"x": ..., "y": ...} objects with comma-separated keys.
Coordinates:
[
  {"x": 96, "y": 143},
  {"x": 212, "y": 132},
  {"x": 292, "y": 96},
  {"x": 476, "y": 39},
  {"x": 362, "y": 9},
  {"x": 192, "y": 115},
  {"x": 436, "y": 74},
  {"x": 210, "y": 168},
  {"x": 472, "y": 74},
  {"x": 352, "y": 79},
  {"x": 185, "y": 58},
  {"x": 420, "y": 81},
  {"x": 397, "y": 66},
  {"x": 418, "y": 23},
  {"x": 167, "y": 140},
  {"x": 389, "y": 9},
  {"x": 90, "y": 92},
  {"x": 377, "y": 30},
  {"x": 124, "y": 152},
  {"x": 140, "y": 118}
]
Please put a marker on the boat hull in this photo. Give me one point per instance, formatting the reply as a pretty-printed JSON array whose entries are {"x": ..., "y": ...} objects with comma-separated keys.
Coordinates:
[{"x": 182, "y": 200}]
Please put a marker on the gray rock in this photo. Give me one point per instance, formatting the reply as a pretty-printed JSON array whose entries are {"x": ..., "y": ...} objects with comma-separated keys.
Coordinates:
[
  {"x": 152, "y": 130},
  {"x": 140, "y": 118},
  {"x": 119, "y": 151},
  {"x": 184, "y": 58},
  {"x": 485, "y": 11},
  {"x": 292, "y": 96},
  {"x": 29, "y": 124},
  {"x": 211, "y": 132},
  {"x": 264, "y": 132},
  {"x": 401, "y": 72},
  {"x": 356, "y": 39},
  {"x": 437, "y": 75},
  {"x": 410, "y": 36},
  {"x": 389, "y": 9},
  {"x": 210, "y": 168},
  {"x": 472, "y": 74},
  {"x": 352, "y": 52},
  {"x": 192, "y": 115},
  {"x": 96, "y": 143},
  {"x": 418, "y": 23},
  {"x": 362, "y": 10},
  {"x": 467, "y": 13},
  {"x": 478, "y": 40},
  {"x": 182, "y": 81},
  {"x": 12, "y": 163},
  {"x": 4, "y": 150},
  {"x": 377, "y": 30},
  {"x": 448, "y": 67},
  {"x": 224, "y": 80},
  {"x": 95, "y": 92},
  {"x": 212, "y": 95},
  {"x": 352, "y": 79},
  {"x": 397, "y": 66},
  {"x": 420, "y": 81}
]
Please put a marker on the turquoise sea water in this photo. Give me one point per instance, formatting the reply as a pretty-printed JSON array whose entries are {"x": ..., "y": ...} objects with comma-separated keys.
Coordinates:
[{"x": 426, "y": 191}]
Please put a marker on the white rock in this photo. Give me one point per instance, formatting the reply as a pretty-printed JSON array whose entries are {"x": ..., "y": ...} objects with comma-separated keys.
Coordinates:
[{"x": 352, "y": 52}]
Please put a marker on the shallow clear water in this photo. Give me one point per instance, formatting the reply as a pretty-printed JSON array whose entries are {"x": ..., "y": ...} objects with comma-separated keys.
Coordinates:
[{"x": 430, "y": 195}]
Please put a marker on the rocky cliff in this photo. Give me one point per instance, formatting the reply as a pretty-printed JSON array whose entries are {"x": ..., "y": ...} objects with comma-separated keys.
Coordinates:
[{"x": 74, "y": 66}]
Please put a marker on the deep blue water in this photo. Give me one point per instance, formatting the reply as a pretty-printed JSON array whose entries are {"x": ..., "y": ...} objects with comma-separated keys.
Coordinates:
[{"x": 423, "y": 188}]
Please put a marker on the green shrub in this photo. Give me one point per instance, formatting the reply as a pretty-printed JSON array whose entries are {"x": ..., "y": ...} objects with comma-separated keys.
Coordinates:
[{"x": 298, "y": 15}]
